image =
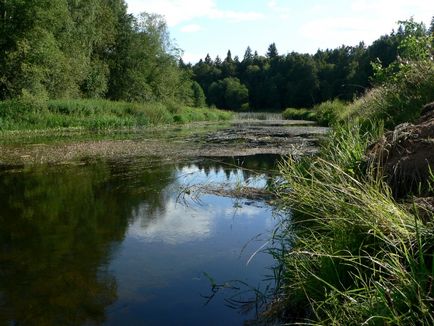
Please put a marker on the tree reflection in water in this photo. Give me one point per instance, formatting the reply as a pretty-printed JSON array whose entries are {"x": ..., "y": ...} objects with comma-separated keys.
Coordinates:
[
  {"x": 61, "y": 225},
  {"x": 58, "y": 228}
]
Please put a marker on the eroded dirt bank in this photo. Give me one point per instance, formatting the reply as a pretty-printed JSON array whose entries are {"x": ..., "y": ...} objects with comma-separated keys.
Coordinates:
[{"x": 239, "y": 138}]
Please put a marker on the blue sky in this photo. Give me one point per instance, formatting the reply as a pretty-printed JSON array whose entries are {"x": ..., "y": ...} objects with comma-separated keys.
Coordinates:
[{"x": 214, "y": 26}]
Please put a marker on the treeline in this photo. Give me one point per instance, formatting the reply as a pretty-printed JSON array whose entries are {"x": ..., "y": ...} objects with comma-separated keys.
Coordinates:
[
  {"x": 63, "y": 49},
  {"x": 295, "y": 80}
]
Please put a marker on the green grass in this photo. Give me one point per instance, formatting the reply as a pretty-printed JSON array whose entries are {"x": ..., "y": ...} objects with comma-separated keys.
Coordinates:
[
  {"x": 299, "y": 114},
  {"x": 395, "y": 101},
  {"x": 357, "y": 257},
  {"x": 399, "y": 100},
  {"x": 330, "y": 112},
  {"x": 98, "y": 114}
]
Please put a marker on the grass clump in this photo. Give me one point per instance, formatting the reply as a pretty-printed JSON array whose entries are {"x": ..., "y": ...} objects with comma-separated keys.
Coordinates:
[
  {"x": 356, "y": 256},
  {"x": 299, "y": 114},
  {"x": 98, "y": 114}
]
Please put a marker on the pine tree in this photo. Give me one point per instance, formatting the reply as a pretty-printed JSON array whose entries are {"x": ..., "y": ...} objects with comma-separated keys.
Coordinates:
[
  {"x": 272, "y": 51},
  {"x": 208, "y": 59},
  {"x": 229, "y": 57},
  {"x": 248, "y": 56}
]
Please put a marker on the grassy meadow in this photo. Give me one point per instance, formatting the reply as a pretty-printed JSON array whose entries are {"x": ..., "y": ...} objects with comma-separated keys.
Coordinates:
[{"x": 98, "y": 114}]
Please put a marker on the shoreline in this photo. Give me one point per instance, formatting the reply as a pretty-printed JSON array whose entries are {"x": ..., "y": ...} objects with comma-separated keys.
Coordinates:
[{"x": 170, "y": 142}]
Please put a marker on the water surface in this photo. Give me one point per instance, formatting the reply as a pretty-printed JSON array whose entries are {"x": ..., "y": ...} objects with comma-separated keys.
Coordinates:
[{"x": 118, "y": 243}]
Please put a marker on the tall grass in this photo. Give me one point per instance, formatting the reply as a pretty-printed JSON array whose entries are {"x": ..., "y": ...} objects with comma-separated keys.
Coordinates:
[
  {"x": 346, "y": 144},
  {"x": 356, "y": 256},
  {"x": 98, "y": 114},
  {"x": 299, "y": 114},
  {"x": 258, "y": 116},
  {"x": 395, "y": 101}
]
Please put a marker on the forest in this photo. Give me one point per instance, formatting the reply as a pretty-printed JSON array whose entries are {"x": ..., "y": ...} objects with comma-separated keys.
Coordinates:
[
  {"x": 59, "y": 49},
  {"x": 296, "y": 80},
  {"x": 76, "y": 49}
]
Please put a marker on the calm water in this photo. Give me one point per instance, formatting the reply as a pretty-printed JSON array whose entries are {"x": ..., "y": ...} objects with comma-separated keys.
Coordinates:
[{"x": 114, "y": 243}]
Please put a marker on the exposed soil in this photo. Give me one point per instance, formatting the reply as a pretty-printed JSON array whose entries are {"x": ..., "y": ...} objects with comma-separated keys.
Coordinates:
[
  {"x": 406, "y": 154},
  {"x": 241, "y": 138}
]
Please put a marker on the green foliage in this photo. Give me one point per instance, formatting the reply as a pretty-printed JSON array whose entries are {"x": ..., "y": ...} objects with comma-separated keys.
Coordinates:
[
  {"x": 228, "y": 93},
  {"x": 330, "y": 112},
  {"x": 299, "y": 114},
  {"x": 298, "y": 80},
  {"x": 405, "y": 85},
  {"x": 357, "y": 257},
  {"x": 195, "y": 114},
  {"x": 26, "y": 114},
  {"x": 346, "y": 144},
  {"x": 414, "y": 45},
  {"x": 144, "y": 63},
  {"x": 198, "y": 95},
  {"x": 400, "y": 99},
  {"x": 272, "y": 51},
  {"x": 402, "y": 88},
  {"x": 302, "y": 80},
  {"x": 88, "y": 49}
]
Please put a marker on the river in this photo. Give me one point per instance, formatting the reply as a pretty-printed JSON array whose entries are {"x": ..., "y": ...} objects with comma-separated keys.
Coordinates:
[{"x": 127, "y": 239}]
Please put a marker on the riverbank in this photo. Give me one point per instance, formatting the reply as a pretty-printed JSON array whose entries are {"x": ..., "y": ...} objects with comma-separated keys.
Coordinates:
[
  {"x": 98, "y": 114},
  {"x": 357, "y": 248}
]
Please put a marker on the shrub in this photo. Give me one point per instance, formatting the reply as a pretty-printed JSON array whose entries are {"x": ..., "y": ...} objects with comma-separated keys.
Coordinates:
[
  {"x": 299, "y": 114},
  {"x": 329, "y": 112}
]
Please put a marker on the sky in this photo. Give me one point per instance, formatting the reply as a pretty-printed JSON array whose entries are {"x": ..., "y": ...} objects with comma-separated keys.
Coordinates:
[{"x": 199, "y": 27}]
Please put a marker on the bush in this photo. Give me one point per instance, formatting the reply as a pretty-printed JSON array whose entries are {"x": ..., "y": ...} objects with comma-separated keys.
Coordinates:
[
  {"x": 330, "y": 112},
  {"x": 299, "y": 114}
]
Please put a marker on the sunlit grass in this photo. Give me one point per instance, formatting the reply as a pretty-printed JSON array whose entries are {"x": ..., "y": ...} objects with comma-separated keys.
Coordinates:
[
  {"x": 349, "y": 253},
  {"x": 98, "y": 114}
]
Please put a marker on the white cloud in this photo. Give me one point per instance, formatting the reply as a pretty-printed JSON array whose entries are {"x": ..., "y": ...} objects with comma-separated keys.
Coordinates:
[
  {"x": 334, "y": 32},
  {"x": 236, "y": 16},
  {"x": 272, "y": 4},
  {"x": 365, "y": 20},
  {"x": 177, "y": 224},
  {"x": 278, "y": 9},
  {"x": 248, "y": 211},
  {"x": 191, "y": 28},
  {"x": 181, "y": 11}
]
